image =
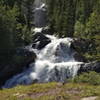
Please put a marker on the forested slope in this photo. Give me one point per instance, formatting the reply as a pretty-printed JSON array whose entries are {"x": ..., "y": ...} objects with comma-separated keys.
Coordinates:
[{"x": 66, "y": 18}]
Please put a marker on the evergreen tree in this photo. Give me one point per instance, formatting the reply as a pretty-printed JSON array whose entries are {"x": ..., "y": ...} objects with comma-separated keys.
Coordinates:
[
  {"x": 69, "y": 17},
  {"x": 62, "y": 16},
  {"x": 28, "y": 7},
  {"x": 8, "y": 25}
]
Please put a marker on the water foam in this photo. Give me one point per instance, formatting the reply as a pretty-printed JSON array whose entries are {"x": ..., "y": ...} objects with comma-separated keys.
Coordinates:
[{"x": 54, "y": 63}]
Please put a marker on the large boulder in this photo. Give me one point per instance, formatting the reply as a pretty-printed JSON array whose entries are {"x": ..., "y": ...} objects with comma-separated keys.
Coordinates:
[
  {"x": 78, "y": 57},
  {"x": 21, "y": 60},
  {"x": 46, "y": 30},
  {"x": 92, "y": 66},
  {"x": 24, "y": 56},
  {"x": 40, "y": 41},
  {"x": 81, "y": 45}
]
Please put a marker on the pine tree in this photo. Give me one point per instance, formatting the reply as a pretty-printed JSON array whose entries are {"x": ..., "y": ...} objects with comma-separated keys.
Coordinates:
[
  {"x": 62, "y": 16},
  {"x": 8, "y": 25},
  {"x": 28, "y": 7},
  {"x": 69, "y": 18}
]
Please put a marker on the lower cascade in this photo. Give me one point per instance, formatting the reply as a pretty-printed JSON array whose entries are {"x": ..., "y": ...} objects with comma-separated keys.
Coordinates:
[{"x": 55, "y": 62}]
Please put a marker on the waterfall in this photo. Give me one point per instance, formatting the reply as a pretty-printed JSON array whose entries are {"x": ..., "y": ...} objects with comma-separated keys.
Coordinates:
[
  {"x": 38, "y": 3},
  {"x": 55, "y": 62},
  {"x": 40, "y": 15}
]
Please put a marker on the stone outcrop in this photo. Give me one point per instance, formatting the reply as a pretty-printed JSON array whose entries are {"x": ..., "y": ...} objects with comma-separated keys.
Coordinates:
[
  {"x": 92, "y": 66},
  {"x": 81, "y": 45},
  {"x": 21, "y": 59},
  {"x": 40, "y": 41},
  {"x": 78, "y": 57}
]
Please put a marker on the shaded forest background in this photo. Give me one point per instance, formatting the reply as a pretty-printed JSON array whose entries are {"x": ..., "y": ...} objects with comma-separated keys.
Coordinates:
[{"x": 66, "y": 18}]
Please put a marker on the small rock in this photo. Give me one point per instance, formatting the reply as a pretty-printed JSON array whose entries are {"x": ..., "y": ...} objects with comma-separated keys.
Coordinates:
[
  {"x": 92, "y": 66},
  {"x": 89, "y": 98}
]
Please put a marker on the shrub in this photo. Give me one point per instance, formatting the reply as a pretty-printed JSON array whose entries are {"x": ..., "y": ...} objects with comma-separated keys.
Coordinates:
[{"x": 92, "y": 78}]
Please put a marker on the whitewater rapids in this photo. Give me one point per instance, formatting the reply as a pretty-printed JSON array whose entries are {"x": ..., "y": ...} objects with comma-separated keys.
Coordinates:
[{"x": 55, "y": 62}]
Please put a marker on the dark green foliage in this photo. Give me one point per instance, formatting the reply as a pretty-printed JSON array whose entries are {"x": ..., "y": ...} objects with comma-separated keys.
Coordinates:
[
  {"x": 90, "y": 28},
  {"x": 92, "y": 78},
  {"x": 8, "y": 26},
  {"x": 27, "y": 8},
  {"x": 62, "y": 17},
  {"x": 79, "y": 18},
  {"x": 15, "y": 28}
]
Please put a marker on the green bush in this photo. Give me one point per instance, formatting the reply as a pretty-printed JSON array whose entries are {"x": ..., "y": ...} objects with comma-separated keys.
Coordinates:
[
  {"x": 79, "y": 29},
  {"x": 92, "y": 78}
]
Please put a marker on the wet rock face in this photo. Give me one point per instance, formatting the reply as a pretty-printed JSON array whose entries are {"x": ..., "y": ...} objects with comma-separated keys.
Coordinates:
[
  {"x": 92, "y": 66},
  {"x": 21, "y": 59},
  {"x": 46, "y": 30},
  {"x": 40, "y": 41},
  {"x": 25, "y": 56},
  {"x": 79, "y": 57},
  {"x": 81, "y": 45}
]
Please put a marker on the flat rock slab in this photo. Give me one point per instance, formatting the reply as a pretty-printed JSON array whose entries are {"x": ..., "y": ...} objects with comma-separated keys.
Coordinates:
[{"x": 90, "y": 98}]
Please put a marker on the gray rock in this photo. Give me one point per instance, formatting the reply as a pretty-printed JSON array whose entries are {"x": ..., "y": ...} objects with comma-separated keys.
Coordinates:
[
  {"x": 21, "y": 60},
  {"x": 81, "y": 45},
  {"x": 40, "y": 41},
  {"x": 92, "y": 66},
  {"x": 78, "y": 57}
]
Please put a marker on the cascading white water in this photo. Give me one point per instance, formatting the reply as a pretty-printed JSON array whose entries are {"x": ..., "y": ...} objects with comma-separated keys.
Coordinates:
[
  {"x": 55, "y": 62},
  {"x": 40, "y": 16},
  {"x": 38, "y": 3}
]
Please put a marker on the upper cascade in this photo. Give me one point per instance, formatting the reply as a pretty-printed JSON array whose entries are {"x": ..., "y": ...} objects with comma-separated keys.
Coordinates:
[
  {"x": 38, "y": 3},
  {"x": 40, "y": 14}
]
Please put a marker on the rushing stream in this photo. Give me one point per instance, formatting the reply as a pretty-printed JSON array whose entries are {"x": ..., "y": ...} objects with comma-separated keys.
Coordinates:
[{"x": 55, "y": 62}]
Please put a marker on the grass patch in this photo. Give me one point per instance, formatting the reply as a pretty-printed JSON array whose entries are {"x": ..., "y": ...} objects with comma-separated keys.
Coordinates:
[
  {"x": 84, "y": 85},
  {"x": 50, "y": 91}
]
